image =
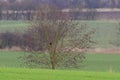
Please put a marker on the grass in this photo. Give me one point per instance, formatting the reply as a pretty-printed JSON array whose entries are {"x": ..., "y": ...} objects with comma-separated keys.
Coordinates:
[
  {"x": 102, "y": 62},
  {"x": 13, "y": 25},
  {"x": 42, "y": 74},
  {"x": 93, "y": 62},
  {"x": 97, "y": 67},
  {"x": 105, "y": 32},
  {"x": 11, "y": 59}
]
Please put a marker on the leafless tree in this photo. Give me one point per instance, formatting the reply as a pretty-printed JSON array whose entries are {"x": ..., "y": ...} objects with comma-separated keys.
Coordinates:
[{"x": 61, "y": 39}]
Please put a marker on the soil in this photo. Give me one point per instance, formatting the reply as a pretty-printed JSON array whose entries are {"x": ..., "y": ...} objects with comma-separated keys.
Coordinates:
[{"x": 96, "y": 50}]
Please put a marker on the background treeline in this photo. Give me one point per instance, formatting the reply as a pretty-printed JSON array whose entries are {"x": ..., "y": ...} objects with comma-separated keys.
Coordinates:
[
  {"x": 24, "y": 9},
  {"x": 33, "y": 4}
]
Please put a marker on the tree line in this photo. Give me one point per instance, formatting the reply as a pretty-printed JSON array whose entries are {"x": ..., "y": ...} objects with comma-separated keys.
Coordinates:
[
  {"x": 30, "y": 14},
  {"x": 27, "y": 5},
  {"x": 33, "y": 4}
]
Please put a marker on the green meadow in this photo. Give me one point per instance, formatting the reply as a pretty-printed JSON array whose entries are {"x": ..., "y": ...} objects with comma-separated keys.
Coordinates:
[
  {"x": 95, "y": 67},
  {"x": 93, "y": 62},
  {"x": 105, "y": 32},
  {"x": 43, "y": 74},
  {"x": 13, "y": 25}
]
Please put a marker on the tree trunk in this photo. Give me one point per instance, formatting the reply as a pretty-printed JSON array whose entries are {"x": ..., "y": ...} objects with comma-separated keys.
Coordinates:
[
  {"x": 53, "y": 64},
  {"x": 53, "y": 61},
  {"x": 53, "y": 56}
]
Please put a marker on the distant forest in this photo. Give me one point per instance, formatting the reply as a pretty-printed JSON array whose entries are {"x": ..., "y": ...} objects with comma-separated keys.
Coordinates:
[{"x": 33, "y": 4}]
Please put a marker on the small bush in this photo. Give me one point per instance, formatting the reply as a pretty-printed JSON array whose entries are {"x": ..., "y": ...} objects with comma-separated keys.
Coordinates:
[{"x": 9, "y": 39}]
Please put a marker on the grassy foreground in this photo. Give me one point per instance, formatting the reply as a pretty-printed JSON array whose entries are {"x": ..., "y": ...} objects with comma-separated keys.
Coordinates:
[{"x": 41, "y": 74}]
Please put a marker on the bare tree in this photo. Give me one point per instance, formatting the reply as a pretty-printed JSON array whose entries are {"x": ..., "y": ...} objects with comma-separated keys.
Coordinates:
[{"x": 56, "y": 34}]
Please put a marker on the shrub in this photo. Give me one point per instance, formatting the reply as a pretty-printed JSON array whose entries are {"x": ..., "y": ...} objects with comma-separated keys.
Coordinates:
[{"x": 9, "y": 39}]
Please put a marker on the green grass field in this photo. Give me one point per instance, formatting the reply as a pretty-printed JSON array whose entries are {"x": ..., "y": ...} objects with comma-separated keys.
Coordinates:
[
  {"x": 11, "y": 59},
  {"x": 93, "y": 62},
  {"x": 13, "y": 25},
  {"x": 102, "y": 62},
  {"x": 42, "y": 74},
  {"x": 105, "y": 32}
]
